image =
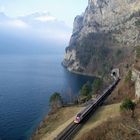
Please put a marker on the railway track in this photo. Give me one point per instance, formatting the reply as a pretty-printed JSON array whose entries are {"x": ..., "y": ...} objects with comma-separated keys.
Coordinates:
[{"x": 71, "y": 130}]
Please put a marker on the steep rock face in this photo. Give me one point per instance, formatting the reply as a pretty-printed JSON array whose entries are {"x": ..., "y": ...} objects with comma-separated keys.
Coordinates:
[
  {"x": 103, "y": 36},
  {"x": 136, "y": 79}
]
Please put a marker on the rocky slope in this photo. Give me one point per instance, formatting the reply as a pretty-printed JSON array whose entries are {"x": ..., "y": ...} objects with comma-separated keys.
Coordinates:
[{"x": 103, "y": 36}]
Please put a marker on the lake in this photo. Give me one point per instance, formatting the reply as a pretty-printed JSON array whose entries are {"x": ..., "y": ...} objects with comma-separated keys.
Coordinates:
[{"x": 26, "y": 83}]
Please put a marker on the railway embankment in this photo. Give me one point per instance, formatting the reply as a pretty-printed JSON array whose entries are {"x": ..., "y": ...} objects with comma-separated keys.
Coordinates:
[{"x": 57, "y": 122}]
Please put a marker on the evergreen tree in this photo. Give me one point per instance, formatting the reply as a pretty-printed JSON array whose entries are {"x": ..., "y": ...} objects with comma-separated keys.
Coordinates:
[
  {"x": 55, "y": 100},
  {"x": 96, "y": 86},
  {"x": 85, "y": 92}
]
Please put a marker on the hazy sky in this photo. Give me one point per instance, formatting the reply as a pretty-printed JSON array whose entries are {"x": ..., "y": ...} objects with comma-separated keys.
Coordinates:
[{"x": 64, "y": 10}]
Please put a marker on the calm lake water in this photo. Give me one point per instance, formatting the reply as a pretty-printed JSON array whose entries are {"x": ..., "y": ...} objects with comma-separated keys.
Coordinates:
[{"x": 26, "y": 83}]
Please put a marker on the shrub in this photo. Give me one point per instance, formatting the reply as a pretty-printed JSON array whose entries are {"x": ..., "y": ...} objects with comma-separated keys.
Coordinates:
[{"x": 128, "y": 105}]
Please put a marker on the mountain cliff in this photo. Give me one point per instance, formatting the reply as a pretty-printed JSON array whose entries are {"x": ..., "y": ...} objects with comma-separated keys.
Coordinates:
[{"x": 104, "y": 36}]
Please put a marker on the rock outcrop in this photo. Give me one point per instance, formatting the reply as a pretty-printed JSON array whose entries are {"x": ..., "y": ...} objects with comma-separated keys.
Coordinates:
[
  {"x": 136, "y": 79},
  {"x": 103, "y": 36}
]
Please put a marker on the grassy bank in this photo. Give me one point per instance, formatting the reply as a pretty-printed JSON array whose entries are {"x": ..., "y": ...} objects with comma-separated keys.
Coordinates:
[
  {"x": 119, "y": 127},
  {"x": 102, "y": 115},
  {"x": 53, "y": 124}
]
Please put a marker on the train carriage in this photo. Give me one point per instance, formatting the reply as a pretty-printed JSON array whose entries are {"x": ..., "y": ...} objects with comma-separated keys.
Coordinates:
[{"x": 79, "y": 117}]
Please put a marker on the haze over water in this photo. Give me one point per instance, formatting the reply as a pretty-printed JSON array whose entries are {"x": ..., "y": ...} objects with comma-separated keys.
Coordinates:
[{"x": 31, "y": 52}]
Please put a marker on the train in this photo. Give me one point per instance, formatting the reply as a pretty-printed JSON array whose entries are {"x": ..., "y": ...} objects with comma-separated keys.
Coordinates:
[{"x": 80, "y": 116}]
